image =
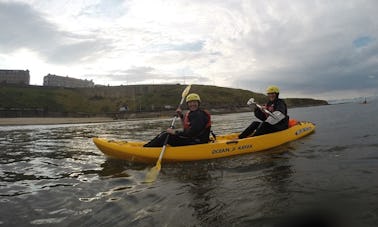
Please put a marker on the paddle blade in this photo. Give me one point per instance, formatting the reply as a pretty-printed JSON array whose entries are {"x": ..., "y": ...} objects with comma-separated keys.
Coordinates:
[
  {"x": 186, "y": 91},
  {"x": 153, "y": 173}
]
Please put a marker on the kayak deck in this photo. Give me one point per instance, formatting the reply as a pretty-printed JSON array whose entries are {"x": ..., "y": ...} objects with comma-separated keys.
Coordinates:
[{"x": 223, "y": 146}]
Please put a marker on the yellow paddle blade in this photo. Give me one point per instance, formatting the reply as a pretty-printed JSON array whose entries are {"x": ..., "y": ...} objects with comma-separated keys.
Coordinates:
[
  {"x": 186, "y": 91},
  {"x": 153, "y": 173}
]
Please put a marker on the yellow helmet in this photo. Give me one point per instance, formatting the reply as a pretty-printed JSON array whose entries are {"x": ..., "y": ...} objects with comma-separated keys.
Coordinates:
[
  {"x": 193, "y": 97},
  {"x": 272, "y": 89}
]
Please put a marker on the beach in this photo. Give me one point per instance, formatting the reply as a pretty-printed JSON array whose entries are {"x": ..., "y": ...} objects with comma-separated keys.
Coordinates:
[{"x": 51, "y": 120}]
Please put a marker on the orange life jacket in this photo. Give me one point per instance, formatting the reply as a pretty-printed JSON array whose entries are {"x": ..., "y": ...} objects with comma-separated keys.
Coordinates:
[{"x": 187, "y": 122}]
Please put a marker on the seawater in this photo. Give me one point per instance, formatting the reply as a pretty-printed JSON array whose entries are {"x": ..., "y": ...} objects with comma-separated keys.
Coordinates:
[{"x": 55, "y": 176}]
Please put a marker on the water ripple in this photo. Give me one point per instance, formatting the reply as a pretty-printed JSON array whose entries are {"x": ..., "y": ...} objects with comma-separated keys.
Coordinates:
[{"x": 54, "y": 175}]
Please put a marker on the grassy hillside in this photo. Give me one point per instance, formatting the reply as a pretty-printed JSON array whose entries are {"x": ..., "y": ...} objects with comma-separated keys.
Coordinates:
[{"x": 138, "y": 98}]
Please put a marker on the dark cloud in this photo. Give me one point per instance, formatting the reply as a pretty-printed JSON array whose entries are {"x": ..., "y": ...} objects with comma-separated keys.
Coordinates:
[
  {"x": 23, "y": 27},
  {"x": 331, "y": 48},
  {"x": 76, "y": 52},
  {"x": 334, "y": 73}
]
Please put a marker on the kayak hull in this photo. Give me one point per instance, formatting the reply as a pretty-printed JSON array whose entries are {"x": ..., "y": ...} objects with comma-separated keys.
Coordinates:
[{"x": 224, "y": 146}]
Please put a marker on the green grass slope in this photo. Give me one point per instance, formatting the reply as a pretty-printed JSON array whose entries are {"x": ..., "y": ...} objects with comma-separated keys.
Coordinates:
[{"x": 138, "y": 98}]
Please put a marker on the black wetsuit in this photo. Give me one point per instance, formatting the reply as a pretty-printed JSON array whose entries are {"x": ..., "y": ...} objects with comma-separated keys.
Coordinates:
[
  {"x": 197, "y": 126},
  {"x": 264, "y": 127}
]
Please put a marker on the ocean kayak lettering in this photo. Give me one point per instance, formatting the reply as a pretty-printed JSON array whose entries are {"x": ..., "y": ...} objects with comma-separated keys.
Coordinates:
[
  {"x": 227, "y": 149},
  {"x": 300, "y": 131},
  {"x": 221, "y": 150}
]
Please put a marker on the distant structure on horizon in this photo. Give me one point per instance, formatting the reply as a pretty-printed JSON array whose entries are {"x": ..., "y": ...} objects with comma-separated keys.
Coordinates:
[
  {"x": 19, "y": 77},
  {"x": 65, "y": 81}
]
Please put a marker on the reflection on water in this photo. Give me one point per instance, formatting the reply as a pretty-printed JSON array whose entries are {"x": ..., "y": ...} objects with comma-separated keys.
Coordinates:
[{"x": 54, "y": 175}]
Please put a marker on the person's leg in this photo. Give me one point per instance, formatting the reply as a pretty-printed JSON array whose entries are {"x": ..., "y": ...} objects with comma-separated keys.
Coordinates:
[
  {"x": 158, "y": 141},
  {"x": 265, "y": 129},
  {"x": 180, "y": 141},
  {"x": 268, "y": 128},
  {"x": 249, "y": 130}
]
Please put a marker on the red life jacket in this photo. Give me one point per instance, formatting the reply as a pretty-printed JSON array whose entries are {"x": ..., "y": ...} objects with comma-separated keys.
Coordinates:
[
  {"x": 270, "y": 108},
  {"x": 187, "y": 122}
]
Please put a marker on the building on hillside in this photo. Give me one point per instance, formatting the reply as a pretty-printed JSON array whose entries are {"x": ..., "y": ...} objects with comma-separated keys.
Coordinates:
[
  {"x": 20, "y": 77},
  {"x": 61, "y": 81}
]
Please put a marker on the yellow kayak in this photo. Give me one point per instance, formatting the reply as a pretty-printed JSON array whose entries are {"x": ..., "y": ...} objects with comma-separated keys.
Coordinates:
[{"x": 223, "y": 146}]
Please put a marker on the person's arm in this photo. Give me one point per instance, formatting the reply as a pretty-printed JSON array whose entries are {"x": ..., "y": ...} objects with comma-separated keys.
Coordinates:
[
  {"x": 181, "y": 115},
  {"x": 260, "y": 115},
  {"x": 280, "y": 106}
]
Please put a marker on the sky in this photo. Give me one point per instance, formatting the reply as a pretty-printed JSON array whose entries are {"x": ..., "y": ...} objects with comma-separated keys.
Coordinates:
[{"x": 309, "y": 48}]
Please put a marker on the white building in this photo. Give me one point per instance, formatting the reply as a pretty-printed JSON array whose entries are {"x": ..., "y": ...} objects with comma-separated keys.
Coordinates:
[{"x": 21, "y": 77}]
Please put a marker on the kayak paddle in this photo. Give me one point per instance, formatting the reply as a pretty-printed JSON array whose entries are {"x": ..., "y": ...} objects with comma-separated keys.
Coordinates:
[
  {"x": 252, "y": 101},
  {"x": 154, "y": 171}
]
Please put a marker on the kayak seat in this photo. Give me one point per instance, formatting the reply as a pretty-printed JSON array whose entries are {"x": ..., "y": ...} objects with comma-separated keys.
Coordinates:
[{"x": 212, "y": 137}]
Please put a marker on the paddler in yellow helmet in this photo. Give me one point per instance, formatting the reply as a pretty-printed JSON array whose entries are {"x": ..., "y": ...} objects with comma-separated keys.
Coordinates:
[
  {"x": 196, "y": 125},
  {"x": 273, "y": 115}
]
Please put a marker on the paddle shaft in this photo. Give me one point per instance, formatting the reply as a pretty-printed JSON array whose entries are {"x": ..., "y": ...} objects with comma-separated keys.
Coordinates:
[
  {"x": 167, "y": 138},
  {"x": 265, "y": 110}
]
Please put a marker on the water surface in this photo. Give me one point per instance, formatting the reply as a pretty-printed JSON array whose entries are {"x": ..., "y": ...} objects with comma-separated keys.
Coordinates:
[{"x": 55, "y": 176}]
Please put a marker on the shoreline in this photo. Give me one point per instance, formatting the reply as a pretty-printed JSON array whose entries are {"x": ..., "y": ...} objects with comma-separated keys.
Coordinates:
[{"x": 17, "y": 121}]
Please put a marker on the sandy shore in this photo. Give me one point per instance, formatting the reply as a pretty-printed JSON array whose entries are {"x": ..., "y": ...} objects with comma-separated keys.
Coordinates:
[
  {"x": 79, "y": 120},
  {"x": 51, "y": 120}
]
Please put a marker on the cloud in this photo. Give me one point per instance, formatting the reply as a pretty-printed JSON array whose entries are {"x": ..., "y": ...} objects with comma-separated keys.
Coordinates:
[
  {"x": 25, "y": 28},
  {"x": 77, "y": 52},
  {"x": 311, "y": 47},
  {"x": 146, "y": 75},
  {"x": 308, "y": 48}
]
